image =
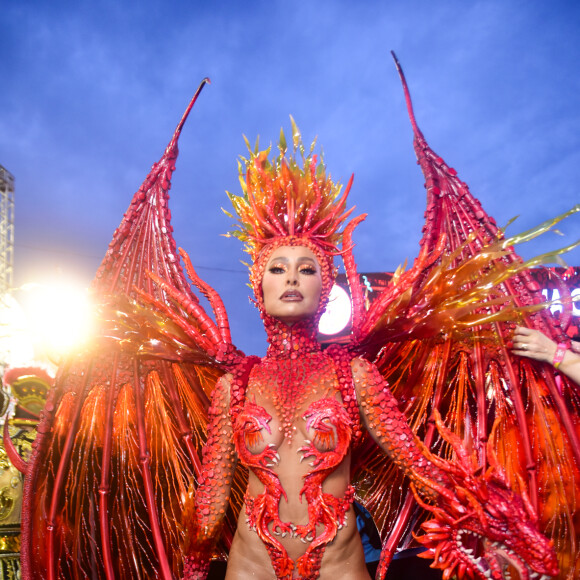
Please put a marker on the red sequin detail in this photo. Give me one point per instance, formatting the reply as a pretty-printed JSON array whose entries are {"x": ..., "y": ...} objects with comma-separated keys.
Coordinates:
[{"x": 303, "y": 384}]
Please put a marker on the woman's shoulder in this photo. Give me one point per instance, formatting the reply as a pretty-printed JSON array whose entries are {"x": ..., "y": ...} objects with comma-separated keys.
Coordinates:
[
  {"x": 362, "y": 367},
  {"x": 222, "y": 390}
]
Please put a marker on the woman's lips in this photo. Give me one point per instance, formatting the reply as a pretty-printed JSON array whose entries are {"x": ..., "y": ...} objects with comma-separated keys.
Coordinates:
[{"x": 291, "y": 296}]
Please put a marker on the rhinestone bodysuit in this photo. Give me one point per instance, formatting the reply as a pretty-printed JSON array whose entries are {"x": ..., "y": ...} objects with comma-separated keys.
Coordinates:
[{"x": 306, "y": 394}]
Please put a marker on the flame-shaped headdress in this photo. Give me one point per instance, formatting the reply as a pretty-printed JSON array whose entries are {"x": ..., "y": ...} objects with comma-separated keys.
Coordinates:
[{"x": 285, "y": 203}]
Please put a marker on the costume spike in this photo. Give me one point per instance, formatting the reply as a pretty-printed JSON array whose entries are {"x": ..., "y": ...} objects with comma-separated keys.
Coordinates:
[
  {"x": 143, "y": 241},
  {"x": 105, "y": 483},
  {"x": 451, "y": 209},
  {"x": 104, "y": 395},
  {"x": 149, "y": 488},
  {"x": 215, "y": 301},
  {"x": 475, "y": 380},
  {"x": 173, "y": 142},
  {"x": 407, "y": 95},
  {"x": 357, "y": 299}
]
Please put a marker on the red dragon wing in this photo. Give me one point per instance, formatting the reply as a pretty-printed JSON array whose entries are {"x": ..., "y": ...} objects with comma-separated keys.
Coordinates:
[
  {"x": 119, "y": 440},
  {"x": 440, "y": 336}
]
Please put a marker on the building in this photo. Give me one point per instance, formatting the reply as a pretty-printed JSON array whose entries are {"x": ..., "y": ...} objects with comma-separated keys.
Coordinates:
[{"x": 6, "y": 230}]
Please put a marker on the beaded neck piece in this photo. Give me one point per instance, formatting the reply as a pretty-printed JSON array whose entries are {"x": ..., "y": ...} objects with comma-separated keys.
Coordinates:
[
  {"x": 291, "y": 341},
  {"x": 293, "y": 354}
]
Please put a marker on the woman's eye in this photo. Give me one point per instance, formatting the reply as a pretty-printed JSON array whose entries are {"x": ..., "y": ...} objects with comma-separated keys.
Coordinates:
[
  {"x": 308, "y": 270},
  {"x": 276, "y": 270}
]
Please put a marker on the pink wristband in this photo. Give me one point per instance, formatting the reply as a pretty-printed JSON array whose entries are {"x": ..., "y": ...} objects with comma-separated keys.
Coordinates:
[{"x": 559, "y": 354}]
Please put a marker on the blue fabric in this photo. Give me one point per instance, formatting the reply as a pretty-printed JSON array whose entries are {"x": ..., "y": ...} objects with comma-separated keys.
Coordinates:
[{"x": 369, "y": 535}]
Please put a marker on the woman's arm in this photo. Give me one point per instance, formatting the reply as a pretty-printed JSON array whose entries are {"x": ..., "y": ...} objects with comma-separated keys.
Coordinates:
[
  {"x": 388, "y": 426},
  {"x": 469, "y": 500},
  {"x": 537, "y": 346},
  {"x": 213, "y": 491}
]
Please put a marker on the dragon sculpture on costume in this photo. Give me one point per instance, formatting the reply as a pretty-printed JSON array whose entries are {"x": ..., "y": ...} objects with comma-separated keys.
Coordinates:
[
  {"x": 117, "y": 456},
  {"x": 484, "y": 539}
]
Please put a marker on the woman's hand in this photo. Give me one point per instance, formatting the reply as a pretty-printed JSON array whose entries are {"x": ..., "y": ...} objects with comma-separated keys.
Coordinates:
[{"x": 533, "y": 344}]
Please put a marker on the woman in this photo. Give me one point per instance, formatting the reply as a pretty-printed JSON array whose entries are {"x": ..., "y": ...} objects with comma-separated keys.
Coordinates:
[
  {"x": 294, "y": 417},
  {"x": 294, "y": 410},
  {"x": 106, "y": 486}
]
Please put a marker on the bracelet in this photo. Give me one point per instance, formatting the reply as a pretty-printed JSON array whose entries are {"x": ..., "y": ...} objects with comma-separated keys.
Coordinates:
[{"x": 559, "y": 354}]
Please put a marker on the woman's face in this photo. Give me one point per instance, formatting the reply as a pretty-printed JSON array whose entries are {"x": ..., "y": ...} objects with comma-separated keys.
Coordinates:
[{"x": 292, "y": 284}]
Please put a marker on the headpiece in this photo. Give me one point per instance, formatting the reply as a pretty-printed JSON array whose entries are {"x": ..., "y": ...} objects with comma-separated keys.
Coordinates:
[{"x": 285, "y": 203}]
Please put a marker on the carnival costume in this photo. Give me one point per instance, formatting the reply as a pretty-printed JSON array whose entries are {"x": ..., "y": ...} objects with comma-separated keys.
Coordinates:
[{"x": 111, "y": 487}]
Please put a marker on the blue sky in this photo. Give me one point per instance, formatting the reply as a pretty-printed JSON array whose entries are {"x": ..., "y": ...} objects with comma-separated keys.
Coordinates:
[{"x": 93, "y": 90}]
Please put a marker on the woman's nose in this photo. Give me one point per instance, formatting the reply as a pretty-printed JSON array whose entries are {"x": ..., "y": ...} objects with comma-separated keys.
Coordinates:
[{"x": 292, "y": 279}]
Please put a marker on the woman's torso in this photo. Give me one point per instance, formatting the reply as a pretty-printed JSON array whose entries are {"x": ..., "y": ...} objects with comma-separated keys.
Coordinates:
[{"x": 294, "y": 433}]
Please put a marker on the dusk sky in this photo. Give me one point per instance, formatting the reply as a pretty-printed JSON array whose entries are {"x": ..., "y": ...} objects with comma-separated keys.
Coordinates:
[{"x": 92, "y": 91}]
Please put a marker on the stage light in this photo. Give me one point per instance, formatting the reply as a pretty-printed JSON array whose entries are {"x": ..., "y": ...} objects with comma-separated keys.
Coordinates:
[{"x": 338, "y": 312}]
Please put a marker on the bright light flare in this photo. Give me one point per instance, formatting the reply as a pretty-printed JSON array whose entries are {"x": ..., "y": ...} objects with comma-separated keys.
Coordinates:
[
  {"x": 15, "y": 346},
  {"x": 59, "y": 316}
]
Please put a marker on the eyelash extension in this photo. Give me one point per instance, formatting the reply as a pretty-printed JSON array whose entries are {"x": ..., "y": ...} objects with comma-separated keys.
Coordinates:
[{"x": 303, "y": 269}]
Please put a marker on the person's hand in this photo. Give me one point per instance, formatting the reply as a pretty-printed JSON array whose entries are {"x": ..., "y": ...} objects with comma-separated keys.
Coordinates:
[{"x": 533, "y": 344}]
